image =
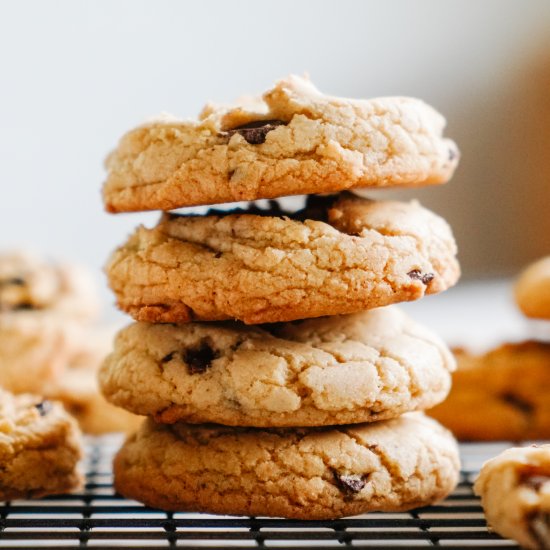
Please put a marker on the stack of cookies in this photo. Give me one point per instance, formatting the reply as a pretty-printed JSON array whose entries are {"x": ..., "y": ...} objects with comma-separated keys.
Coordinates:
[{"x": 308, "y": 413}]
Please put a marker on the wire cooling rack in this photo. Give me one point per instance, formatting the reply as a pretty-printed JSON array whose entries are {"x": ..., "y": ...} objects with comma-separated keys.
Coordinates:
[{"x": 97, "y": 517}]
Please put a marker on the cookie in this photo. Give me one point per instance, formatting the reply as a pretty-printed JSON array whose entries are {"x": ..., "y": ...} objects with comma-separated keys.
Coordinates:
[
  {"x": 50, "y": 355},
  {"x": 500, "y": 395},
  {"x": 36, "y": 347},
  {"x": 532, "y": 290},
  {"x": 303, "y": 473},
  {"x": 515, "y": 494},
  {"x": 333, "y": 370},
  {"x": 341, "y": 254},
  {"x": 295, "y": 141},
  {"x": 30, "y": 283},
  {"x": 40, "y": 448},
  {"x": 46, "y": 310}
]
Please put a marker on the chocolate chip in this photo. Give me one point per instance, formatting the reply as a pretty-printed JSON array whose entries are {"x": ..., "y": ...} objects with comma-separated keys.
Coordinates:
[
  {"x": 24, "y": 306},
  {"x": 256, "y": 132},
  {"x": 426, "y": 278},
  {"x": 44, "y": 407},
  {"x": 452, "y": 154},
  {"x": 316, "y": 208},
  {"x": 237, "y": 344},
  {"x": 199, "y": 359},
  {"x": 218, "y": 255},
  {"x": 517, "y": 402},
  {"x": 13, "y": 281},
  {"x": 539, "y": 528},
  {"x": 350, "y": 484},
  {"x": 168, "y": 357},
  {"x": 535, "y": 481}
]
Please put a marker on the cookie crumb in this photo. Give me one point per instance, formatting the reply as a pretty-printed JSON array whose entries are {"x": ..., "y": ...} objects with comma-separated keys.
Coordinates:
[{"x": 13, "y": 281}]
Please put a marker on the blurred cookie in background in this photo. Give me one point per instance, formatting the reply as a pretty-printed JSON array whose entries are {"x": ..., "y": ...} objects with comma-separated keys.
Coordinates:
[
  {"x": 29, "y": 283},
  {"x": 50, "y": 340},
  {"x": 499, "y": 395},
  {"x": 78, "y": 388}
]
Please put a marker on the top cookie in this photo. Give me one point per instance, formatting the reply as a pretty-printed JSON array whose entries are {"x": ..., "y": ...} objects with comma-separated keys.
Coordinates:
[
  {"x": 293, "y": 141},
  {"x": 532, "y": 290}
]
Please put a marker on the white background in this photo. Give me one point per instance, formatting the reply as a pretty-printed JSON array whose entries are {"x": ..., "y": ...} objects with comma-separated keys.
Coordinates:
[{"x": 75, "y": 75}]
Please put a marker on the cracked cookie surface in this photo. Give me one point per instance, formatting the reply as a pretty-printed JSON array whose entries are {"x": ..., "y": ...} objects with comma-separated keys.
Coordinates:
[
  {"x": 315, "y": 473},
  {"x": 515, "y": 494},
  {"x": 294, "y": 141},
  {"x": 532, "y": 290},
  {"x": 500, "y": 395},
  {"x": 333, "y": 370},
  {"x": 264, "y": 269},
  {"x": 40, "y": 448}
]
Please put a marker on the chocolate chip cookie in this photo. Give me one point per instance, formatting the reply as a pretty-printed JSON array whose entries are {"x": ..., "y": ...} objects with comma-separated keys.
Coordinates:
[
  {"x": 532, "y": 290},
  {"x": 515, "y": 494},
  {"x": 333, "y": 370},
  {"x": 341, "y": 254},
  {"x": 294, "y": 140},
  {"x": 36, "y": 347},
  {"x": 46, "y": 310},
  {"x": 315, "y": 473},
  {"x": 39, "y": 448},
  {"x": 30, "y": 283},
  {"x": 500, "y": 395}
]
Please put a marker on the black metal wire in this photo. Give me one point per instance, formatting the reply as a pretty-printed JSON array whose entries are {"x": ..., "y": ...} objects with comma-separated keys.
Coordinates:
[{"x": 97, "y": 517}]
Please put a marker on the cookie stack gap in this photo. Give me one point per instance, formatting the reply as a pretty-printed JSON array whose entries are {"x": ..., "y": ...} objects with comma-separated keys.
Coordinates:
[{"x": 277, "y": 377}]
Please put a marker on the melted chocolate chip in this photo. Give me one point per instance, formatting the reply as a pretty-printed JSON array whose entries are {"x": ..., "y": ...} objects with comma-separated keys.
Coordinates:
[
  {"x": 350, "y": 484},
  {"x": 256, "y": 132},
  {"x": 13, "y": 281},
  {"x": 539, "y": 528},
  {"x": 273, "y": 210},
  {"x": 535, "y": 481},
  {"x": 44, "y": 407},
  {"x": 316, "y": 208},
  {"x": 517, "y": 402},
  {"x": 426, "y": 278},
  {"x": 24, "y": 306},
  {"x": 168, "y": 358},
  {"x": 199, "y": 359},
  {"x": 237, "y": 344}
]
